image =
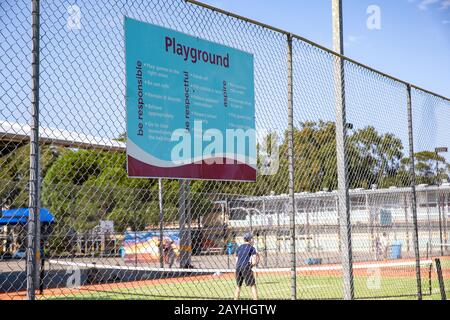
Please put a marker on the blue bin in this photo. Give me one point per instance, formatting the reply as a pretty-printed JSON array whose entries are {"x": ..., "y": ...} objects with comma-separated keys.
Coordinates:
[{"x": 396, "y": 250}]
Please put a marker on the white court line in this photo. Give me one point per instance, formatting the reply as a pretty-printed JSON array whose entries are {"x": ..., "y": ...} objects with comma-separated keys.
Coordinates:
[
  {"x": 298, "y": 269},
  {"x": 131, "y": 268}
]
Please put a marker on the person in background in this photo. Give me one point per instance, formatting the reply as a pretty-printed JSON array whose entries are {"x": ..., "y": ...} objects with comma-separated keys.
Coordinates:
[
  {"x": 378, "y": 249},
  {"x": 385, "y": 245},
  {"x": 171, "y": 253},
  {"x": 246, "y": 259}
]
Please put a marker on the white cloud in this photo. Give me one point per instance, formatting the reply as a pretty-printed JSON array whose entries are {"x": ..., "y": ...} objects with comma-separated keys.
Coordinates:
[
  {"x": 423, "y": 5},
  {"x": 352, "y": 38},
  {"x": 445, "y": 4},
  {"x": 446, "y": 21}
]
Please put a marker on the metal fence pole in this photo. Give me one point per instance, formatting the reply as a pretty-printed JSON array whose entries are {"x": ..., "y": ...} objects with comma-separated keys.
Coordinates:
[
  {"x": 32, "y": 256},
  {"x": 341, "y": 129},
  {"x": 189, "y": 221},
  {"x": 440, "y": 279},
  {"x": 185, "y": 222},
  {"x": 161, "y": 223},
  {"x": 291, "y": 168},
  {"x": 413, "y": 193},
  {"x": 441, "y": 240},
  {"x": 430, "y": 236},
  {"x": 182, "y": 222},
  {"x": 444, "y": 215}
]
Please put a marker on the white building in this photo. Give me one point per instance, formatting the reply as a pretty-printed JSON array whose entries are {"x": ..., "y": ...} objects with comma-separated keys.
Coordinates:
[{"x": 373, "y": 212}]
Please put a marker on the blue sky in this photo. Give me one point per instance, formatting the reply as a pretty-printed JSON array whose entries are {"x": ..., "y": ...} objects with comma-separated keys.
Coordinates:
[{"x": 413, "y": 43}]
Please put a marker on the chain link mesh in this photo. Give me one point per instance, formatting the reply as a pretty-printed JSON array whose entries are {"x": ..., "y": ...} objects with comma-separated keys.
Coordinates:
[
  {"x": 99, "y": 227},
  {"x": 430, "y": 115}
]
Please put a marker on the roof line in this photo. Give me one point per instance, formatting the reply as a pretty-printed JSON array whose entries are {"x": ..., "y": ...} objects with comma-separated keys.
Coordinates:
[{"x": 14, "y": 131}]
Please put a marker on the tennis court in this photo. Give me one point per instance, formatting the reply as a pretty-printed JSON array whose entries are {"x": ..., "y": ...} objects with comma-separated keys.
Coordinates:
[{"x": 382, "y": 280}]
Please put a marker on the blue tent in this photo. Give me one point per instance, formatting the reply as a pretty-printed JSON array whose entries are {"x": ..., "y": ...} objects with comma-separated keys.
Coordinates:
[{"x": 20, "y": 216}]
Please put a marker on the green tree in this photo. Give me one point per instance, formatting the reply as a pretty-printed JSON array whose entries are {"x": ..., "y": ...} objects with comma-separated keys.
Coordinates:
[
  {"x": 15, "y": 172},
  {"x": 425, "y": 167},
  {"x": 378, "y": 156},
  {"x": 86, "y": 186}
]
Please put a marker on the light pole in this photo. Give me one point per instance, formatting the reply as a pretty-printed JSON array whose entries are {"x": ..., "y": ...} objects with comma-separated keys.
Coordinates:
[
  {"x": 341, "y": 155},
  {"x": 437, "y": 151}
]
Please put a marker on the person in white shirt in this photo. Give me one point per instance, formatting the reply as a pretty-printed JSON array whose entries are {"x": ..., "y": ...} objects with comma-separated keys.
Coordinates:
[{"x": 385, "y": 245}]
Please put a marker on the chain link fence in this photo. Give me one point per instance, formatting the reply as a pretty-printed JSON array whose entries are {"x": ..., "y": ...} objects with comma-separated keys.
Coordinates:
[{"x": 102, "y": 235}]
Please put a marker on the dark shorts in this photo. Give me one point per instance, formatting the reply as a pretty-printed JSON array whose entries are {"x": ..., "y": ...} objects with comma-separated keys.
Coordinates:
[{"x": 245, "y": 274}]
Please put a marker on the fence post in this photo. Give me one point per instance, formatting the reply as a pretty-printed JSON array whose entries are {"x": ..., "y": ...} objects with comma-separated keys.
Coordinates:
[
  {"x": 440, "y": 222},
  {"x": 440, "y": 279},
  {"x": 161, "y": 223},
  {"x": 341, "y": 130},
  {"x": 444, "y": 214},
  {"x": 185, "y": 222},
  {"x": 33, "y": 245},
  {"x": 189, "y": 220},
  {"x": 291, "y": 167},
  {"x": 413, "y": 193},
  {"x": 182, "y": 221}
]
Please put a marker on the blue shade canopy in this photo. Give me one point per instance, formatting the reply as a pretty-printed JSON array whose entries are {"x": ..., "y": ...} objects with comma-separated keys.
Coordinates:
[{"x": 20, "y": 216}]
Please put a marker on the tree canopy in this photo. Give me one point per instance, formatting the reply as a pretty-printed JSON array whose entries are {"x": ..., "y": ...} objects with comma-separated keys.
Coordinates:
[{"x": 81, "y": 187}]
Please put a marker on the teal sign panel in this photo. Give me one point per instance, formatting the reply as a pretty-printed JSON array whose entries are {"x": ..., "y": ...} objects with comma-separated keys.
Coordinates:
[{"x": 189, "y": 105}]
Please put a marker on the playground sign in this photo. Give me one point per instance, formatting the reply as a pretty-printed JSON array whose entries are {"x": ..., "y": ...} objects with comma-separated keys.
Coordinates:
[{"x": 190, "y": 106}]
